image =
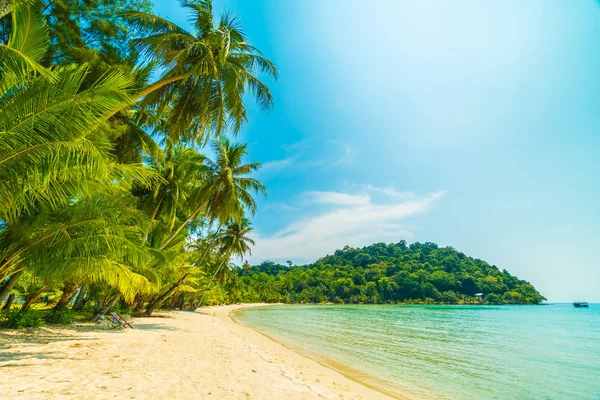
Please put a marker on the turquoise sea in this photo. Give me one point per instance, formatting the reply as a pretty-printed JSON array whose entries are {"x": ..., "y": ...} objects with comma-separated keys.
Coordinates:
[{"x": 449, "y": 352}]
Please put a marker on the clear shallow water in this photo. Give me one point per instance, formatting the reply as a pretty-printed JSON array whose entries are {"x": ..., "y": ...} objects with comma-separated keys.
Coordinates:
[{"x": 452, "y": 352}]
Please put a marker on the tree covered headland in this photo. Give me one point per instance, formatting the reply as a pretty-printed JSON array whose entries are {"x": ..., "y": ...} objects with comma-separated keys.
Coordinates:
[{"x": 387, "y": 273}]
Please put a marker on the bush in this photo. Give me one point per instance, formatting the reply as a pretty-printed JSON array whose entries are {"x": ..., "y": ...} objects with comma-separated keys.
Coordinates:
[
  {"x": 63, "y": 317},
  {"x": 123, "y": 310},
  {"x": 23, "y": 319},
  {"x": 89, "y": 308}
]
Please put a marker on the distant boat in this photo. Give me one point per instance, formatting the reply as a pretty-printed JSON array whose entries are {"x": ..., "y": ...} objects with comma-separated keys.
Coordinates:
[{"x": 580, "y": 304}]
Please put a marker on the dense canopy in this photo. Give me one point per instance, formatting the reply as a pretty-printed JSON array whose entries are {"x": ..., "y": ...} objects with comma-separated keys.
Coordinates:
[
  {"x": 108, "y": 197},
  {"x": 388, "y": 273}
]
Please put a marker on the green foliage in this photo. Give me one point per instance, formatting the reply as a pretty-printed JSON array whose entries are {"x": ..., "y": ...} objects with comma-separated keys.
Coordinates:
[
  {"x": 102, "y": 176},
  {"x": 207, "y": 73},
  {"x": 62, "y": 317},
  {"x": 121, "y": 309},
  {"x": 23, "y": 319},
  {"x": 89, "y": 308},
  {"x": 387, "y": 273}
]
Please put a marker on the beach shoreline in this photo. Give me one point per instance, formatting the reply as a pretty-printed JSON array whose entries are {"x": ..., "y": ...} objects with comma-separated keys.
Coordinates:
[
  {"x": 369, "y": 381},
  {"x": 205, "y": 354}
]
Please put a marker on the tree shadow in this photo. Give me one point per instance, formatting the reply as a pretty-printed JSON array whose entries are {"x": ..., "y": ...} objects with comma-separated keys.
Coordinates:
[
  {"x": 153, "y": 327},
  {"x": 24, "y": 355}
]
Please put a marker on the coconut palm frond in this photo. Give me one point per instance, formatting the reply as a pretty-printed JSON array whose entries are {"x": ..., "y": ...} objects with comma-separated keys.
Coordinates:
[
  {"x": 47, "y": 152},
  {"x": 207, "y": 73},
  {"x": 26, "y": 46}
]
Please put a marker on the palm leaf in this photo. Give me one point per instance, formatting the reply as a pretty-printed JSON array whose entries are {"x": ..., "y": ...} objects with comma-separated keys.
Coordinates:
[{"x": 26, "y": 46}]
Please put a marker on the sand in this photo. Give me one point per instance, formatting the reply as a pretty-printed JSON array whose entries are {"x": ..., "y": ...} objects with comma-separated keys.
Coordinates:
[{"x": 184, "y": 355}]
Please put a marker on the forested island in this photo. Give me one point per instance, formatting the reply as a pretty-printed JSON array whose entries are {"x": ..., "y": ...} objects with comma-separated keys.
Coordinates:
[{"x": 386, "y": 273}]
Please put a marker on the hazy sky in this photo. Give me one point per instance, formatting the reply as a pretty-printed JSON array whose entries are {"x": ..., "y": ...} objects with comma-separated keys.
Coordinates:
[{"x": 472, "y": 124}]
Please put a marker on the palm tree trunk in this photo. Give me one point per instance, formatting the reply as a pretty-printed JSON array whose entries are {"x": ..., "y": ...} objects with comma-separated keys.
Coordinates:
[
  {"x": 9, "y": 302},
  {"x": 32, "y": 297},
  {"x": 104, "y": 309},
  {"x": 148, "y": 90},
  {"x": 138, "y": 303},
  {"x": 187, "y": 221},
  {"x": 8, "y": 286},
  {"x": 68, "y": 290},
  {"x": 181, "y": 302},
  {"x": 155, "y": 211},
  {"x": 154, "y": 304},
  {"x": 80, "y": 300},
  {"x": 158, "y": 203},
  {"x": 213, "y": 276}
]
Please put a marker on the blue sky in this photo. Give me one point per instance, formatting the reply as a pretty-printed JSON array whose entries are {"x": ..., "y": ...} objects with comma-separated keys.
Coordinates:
[{"x": 474, "y": 126}]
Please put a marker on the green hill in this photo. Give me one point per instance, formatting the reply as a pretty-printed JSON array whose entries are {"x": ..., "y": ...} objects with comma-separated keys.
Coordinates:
[{"x": 387, "y": 273}]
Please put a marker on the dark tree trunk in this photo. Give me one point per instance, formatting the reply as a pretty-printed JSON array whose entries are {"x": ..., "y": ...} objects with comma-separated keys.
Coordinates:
[
  {"x": 181, "y": 301},
  {"x": 80, "y": 301},
  {"x": 31, "y": 298},
  {"x": 173, "y": 302},
  {"x": 10, "y": 284},
  {"x": 211, "y": 280},
  {"x": 138, "y": 303},
  {"x": 123, "y": 304},
  {"x": 68, "y": 290},
  {"x": 104, "y": 309},
  {"x": 154, "y": 304},
  {"x": 9, "y": 301}
]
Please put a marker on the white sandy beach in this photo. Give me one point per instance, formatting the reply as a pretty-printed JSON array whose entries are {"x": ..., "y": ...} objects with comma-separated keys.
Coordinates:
[{"x": 198, "y": 355}]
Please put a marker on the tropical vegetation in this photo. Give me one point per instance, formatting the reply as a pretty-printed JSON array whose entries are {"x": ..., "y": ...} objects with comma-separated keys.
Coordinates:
[
  {"x": 122, "y": 186},
  {"x": 109, "y": 196},
  {"x": 386, "y": 273}
]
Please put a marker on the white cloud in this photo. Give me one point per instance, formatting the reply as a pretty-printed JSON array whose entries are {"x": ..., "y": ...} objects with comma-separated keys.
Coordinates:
[
  {"x": 280, "y": 206},
  {"x": 277, "y": 165},
  {"x": 348, "y": 219},
  {"x": 337, "y": 198},
  {"x": 392, "y": 192},
  {"x": 343, "y": 154}
]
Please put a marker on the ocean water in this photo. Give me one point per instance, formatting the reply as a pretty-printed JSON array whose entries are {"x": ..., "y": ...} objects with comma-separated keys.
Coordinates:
[{"x": 449, "y": 352}]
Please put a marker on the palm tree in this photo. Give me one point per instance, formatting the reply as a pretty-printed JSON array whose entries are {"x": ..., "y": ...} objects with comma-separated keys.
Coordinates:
[
  {"x": 198, "y": 253},
  {"x": 227, "y": 190},
  {"x": 78, "y": 206},
  {"x": 206, "y": 72},
  {"x": 49, "y": 143},
  {"x": 246, "y": 266},
  {"x": 53, "y": 161},
  {"x": 182, "y": 170},
  {"x": 234, "y": 242},
  {"x": 92, "y": 240}
]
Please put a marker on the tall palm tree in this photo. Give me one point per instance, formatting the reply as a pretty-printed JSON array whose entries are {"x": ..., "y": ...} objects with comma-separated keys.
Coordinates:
[
  {"x": 227, "y": 190},
  {"x": 182, "y": 170},
  {"x": 246, "y": 266},
  {"x": 198, "y": 253},
  {"x": 207, "y": 72},
  {"x": 234, "y": 242},
  {"x": 52, "y": 158}
]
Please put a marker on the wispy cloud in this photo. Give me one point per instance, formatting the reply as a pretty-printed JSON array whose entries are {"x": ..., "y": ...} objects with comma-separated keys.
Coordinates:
[
  {"x": 278, "y": 165},
  {"x": 347, "y": 153},
  {"x": 307, "y": 154},
  {"x": 391, "y": 192},
  {"x": 354, "y": 219},
  {"x": 280, "y": 206},
  {"x": 338, "y": 199}
]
